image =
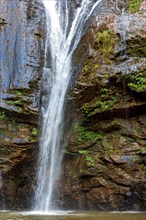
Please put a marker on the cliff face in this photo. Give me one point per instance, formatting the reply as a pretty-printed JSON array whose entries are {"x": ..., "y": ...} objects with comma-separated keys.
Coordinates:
[
  {"x": 21, "y": 59},
  {"x": 105, "y": 122},
  {"x": 105, "y": 156}
]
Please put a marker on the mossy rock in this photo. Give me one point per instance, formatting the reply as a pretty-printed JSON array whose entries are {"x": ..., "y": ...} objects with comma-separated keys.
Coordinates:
[
  {"x": 134, "y": 5},
  {"x": 105, "y": 100},
  {"x": 136, "y": 47},
  {"x": 105, "y": 41},
  {"x": 137, "y": 81},
  {"x": 85, "y": 135}
]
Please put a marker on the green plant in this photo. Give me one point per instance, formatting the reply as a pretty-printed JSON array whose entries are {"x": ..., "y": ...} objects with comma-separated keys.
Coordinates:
[
  {"x": 95, "y": 67},
  {"x": 14, "y": 102},
  {"x": 109, "y": 149},
  {"x": 137, "y": 82},
  {"x": 85, "y": 108},
  {"x": 143, "y": 166},
  {"x": 82, "y": 172},
  {"x": 105, "y": 91},
  {"x": 85, "y": 68},
  {"x": 85, "y": 135},
  {"x": 107, "y": 99},
  {"x": 34, "y": 132},
  {"x": 134, "y": 5},
  {"x": 2, "y": 115},
  {"x": 90, "y": 68},
  {"x": 106, "y": 104},
  {"x": 89, "y": 158},
  {"x": 18, "y": 93},
  {"x": 105, "y": 42},
  {"x": 143, "y": 150},
  {"x": 68, "y": 152},
  {"x": 1, "y": 132},
  {"x": 19, "y": 109}
]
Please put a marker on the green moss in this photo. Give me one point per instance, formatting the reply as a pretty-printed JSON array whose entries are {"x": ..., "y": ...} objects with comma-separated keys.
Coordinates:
[
  {"x": 137, "y": 82},
  {"x": 143, "y": 150},
  {"x": 109, "y": 149},
  {"x": 90, "y": 160},
  {"x": 90, "y": 69},
  {"x": 34, "y": 132},
  {"x": 89, "y": 157},
  {"x": 1, "y": 132},
  {"x": 82, "y": 172},
  {"x": 2, "y": 115},
  {"x": 85, "y": 152},
  {"x": 85, "y": 68},
  {"x": 84, "y": 135},
  {"x": 14, "y": 102},
  {"x": 85, "y": 108},
  {"x": 19, "y": 101},
  {"x": 105, "y": 144},
  {"x": 18, "y": 93},
  {"x": 104, "y": 102},
  {"x": 105, "y": 42},
  {"x": 134, "y": 5},
  {"x": 143, "y": 166},
  {"x": 19, "y": 109},
  {"x": 5, "y": 150},
  {"x": 136, "y": 47},
  {"x": 104, "y": 105},
  {"x": 105, "y": 91}
]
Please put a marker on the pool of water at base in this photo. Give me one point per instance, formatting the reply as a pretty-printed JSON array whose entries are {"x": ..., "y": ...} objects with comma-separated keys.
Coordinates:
[{"x": 73, "y": 216}]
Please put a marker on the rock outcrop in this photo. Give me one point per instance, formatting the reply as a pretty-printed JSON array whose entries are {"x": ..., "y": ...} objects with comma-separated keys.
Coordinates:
[
  {"x": 105, "y": 158},
  {"x": 22, "y": 30}
]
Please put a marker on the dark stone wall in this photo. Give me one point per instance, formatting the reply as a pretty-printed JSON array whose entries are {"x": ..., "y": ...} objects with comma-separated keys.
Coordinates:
[
  {"x": 22, "y": 39},
  {"x": 104, "y": 164}
]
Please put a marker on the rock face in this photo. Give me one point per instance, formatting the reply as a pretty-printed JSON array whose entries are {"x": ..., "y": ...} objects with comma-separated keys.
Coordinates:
[
  {"x": 21, "y": 60},
  {"x": 104, "y": 166},
  {"x": 105, "y": 158}
]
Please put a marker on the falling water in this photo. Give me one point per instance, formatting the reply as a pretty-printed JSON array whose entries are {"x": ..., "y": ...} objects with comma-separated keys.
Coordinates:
[
  {"x": 63, "y": 36},
  {"x": 116, "y": 6},
  {"x": 124, "y": 56},
  {"x": 123, "y": 33}
]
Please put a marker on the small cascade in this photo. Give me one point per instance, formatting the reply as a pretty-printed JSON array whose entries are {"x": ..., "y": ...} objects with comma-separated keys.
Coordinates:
[
  {"x": 123, "y": 33},
  {"x": 116, "y": 6},
  {"x": 2, "y": 198},
  {"x": 64, "y": 31},
  {"x": 123, "y": 56}
]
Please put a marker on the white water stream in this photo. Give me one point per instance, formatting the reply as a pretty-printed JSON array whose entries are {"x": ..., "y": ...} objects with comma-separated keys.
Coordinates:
[{"x": 63, "y": 36}]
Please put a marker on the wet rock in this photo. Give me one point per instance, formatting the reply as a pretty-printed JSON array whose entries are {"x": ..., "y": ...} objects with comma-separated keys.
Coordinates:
[
  {"x": 108, "y": 98},
  {"x": 21, "y": 55},
  {"x": 21, "y": 59}
]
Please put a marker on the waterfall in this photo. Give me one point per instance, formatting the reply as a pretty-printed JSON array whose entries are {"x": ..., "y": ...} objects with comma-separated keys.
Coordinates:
[
  {"x": 123, "y": 33},
  {"x": 125, "y": 70},
  {"x": 63, "y": 35}
]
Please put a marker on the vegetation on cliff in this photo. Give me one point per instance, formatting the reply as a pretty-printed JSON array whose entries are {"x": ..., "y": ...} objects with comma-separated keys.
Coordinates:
[{"x": 108, "y": 140}]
